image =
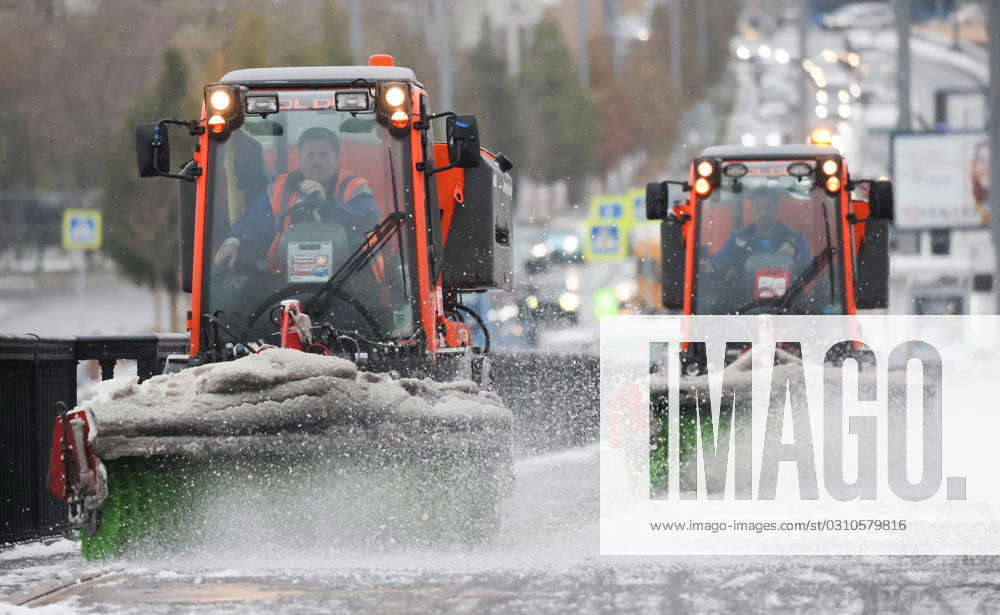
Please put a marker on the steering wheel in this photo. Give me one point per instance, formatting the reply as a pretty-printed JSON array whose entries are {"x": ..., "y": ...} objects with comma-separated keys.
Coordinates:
[
  {"x": 767, "y": 305},
  {"x": 305, "y": 204},
  {"x": 268, "y": 304}
]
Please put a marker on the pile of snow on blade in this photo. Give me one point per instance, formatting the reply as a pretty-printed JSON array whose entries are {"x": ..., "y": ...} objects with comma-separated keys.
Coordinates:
[{"x": 281, "y": 400}]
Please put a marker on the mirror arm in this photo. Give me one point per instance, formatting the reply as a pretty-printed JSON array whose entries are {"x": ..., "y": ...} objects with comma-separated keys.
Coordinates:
[
  {"x": 194, "y": 129},
  {"x": 429, "y": 170},
  {"x": 425, "y": 124},
  {"x": 194, "y": 126}
]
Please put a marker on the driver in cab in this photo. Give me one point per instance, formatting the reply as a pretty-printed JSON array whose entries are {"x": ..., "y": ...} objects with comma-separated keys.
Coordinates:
[
  {"x": 320, "y": 191},
  {"x": 767, "y": 235}
]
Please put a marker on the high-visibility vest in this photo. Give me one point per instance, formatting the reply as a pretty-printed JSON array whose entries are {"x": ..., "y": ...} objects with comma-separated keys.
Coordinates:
[{"x": 344, "y": 190}]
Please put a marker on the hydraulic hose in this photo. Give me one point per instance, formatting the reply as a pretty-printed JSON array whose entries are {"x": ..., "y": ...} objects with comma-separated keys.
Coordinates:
[{"x": 482, "y": 325}]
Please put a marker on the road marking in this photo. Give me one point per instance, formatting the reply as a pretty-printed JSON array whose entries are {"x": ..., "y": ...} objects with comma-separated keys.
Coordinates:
[{"x": 54, "y": 590}]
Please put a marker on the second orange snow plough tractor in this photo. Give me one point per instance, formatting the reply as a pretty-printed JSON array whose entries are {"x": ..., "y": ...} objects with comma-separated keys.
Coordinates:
[
  {"x": 773, "y": 230},
  {"x": 760, "y": 230},
  {"x": 317, "y": 218}
]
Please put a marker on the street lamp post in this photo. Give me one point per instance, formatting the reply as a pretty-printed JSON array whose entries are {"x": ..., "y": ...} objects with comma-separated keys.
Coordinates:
[
  {"x": 994, "y": 132},
  {"x": 804, "y": 106},
  {"x": 904, "y": 123}
]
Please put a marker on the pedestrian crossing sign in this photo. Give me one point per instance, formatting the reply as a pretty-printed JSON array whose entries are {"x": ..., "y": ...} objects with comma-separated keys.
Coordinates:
[
  {"x": 604, "y": 242},
  {"x": 81, "y": 229},
  {"x": 611, "y": 207}
]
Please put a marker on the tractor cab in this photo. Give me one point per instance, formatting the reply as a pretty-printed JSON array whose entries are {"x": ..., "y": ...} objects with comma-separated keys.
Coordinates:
[
  {"x": 773, "y": 230},
  {"x": 316, "y": 213}
]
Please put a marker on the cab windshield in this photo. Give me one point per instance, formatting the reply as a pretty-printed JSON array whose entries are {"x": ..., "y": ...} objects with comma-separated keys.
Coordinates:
[
  {"x": 291, "y": 198},
  {"x": 766, "y": 243}
]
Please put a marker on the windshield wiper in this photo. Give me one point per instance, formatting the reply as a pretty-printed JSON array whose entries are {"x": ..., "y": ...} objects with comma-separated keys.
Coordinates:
[
  {"x": 375, "y": 240},
  {"x": 808, "y": 275},
  {"x": 218, "y": 327}
]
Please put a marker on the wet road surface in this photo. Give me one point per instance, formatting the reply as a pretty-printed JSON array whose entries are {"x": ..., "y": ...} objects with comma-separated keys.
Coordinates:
[{"x": 546, "y": 562}]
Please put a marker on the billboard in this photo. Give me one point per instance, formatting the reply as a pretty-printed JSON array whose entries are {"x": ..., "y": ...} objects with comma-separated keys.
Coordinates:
[{"x": 941, "y": 179}]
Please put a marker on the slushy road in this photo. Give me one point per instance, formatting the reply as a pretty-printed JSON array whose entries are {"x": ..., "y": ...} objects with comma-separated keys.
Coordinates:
[{"x": 547, "y": 562}]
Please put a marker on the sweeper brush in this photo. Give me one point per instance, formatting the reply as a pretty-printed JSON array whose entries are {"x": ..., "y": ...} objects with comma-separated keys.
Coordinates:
[{"x": 148, "y": 467}]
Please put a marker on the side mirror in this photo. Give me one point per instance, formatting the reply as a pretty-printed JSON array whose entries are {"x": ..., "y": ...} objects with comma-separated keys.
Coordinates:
[
  {"x": 881, "y": 200},
  {"x": 152, "y": 150},
  {"x": 656, "y": 201},
  {"x": 462, "y": 135},
  {"x": 871, "y": 272},
  {"x": 672, "y": 263}
]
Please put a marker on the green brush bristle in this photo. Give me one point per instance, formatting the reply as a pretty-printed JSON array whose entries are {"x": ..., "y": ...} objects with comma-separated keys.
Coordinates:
[
  {"x": 160, "y": 506},
  {"x": 150, "y": 503}
]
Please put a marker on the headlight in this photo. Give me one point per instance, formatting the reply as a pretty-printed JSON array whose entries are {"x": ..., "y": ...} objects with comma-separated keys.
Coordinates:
[
  {"x": 799, "y": 169},
  {"x": 399, "y": 118},
  {"x": 507, "y": 312},
  {"x": 830, "y": 167},
  {"x": 216, "y": 124},
  {"x": 394, "y": 104},
  {"x": 569, "y": 302},
  {"x": 394, "y": 96},
  {"x": 352, "y": 101},
  {"x": 539, "y": 250},
  {"x": 707, "y": 170},
  {"x": 262, "y": 104},
  {"x": 570, "y": 244},
  {"x": 220, "y": 100},
  {"x": 833, "y": 183},
  {"x": 625, "y": 291},
  {"x": 736, "y": 170},
  {"x": 224, "y": 105}
]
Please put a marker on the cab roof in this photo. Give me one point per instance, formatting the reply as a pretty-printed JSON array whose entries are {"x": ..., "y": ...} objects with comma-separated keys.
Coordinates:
[
  {"x": 317, "y": 76},
  {"x": 768, "y": 152}
]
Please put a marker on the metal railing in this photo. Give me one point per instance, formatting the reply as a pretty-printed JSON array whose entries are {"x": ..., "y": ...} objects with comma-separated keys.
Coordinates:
[{"x": 35, "y": 373}]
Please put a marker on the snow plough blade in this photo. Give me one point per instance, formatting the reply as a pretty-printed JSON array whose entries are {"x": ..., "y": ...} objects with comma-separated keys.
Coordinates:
[{"x": 288, "y": 442}]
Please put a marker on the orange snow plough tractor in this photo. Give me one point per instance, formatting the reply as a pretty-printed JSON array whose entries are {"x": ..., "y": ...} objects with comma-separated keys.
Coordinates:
[
  {"x": 773, "y": 230},
  {"x": 324, "y": 235},
  {"x": 318, "y": 191}
]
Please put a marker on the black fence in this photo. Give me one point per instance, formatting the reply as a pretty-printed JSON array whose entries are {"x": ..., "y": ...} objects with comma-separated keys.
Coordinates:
[{"x": 35, "y": 373}]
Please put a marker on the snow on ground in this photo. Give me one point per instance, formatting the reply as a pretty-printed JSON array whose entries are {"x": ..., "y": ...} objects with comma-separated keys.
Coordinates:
[{"x": 38, "y": 549}]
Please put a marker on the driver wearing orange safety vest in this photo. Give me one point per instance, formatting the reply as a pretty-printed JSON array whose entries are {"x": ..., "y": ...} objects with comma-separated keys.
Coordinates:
[{"x": 337, "y": 196}]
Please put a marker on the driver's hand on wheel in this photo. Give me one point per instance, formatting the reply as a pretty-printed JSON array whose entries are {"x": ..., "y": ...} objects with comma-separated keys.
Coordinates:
[
  {"x": 312, "y": 188},
  {"x": 226, "y": 256}
]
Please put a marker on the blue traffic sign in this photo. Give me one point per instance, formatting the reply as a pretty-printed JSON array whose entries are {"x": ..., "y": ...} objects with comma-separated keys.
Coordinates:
[{"x": 81, "y": 229}]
